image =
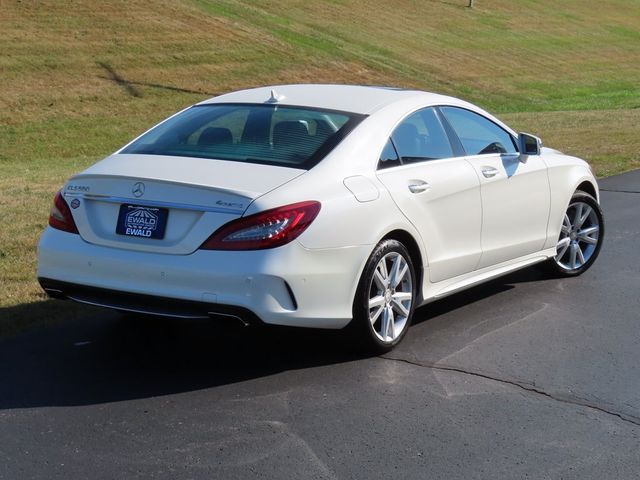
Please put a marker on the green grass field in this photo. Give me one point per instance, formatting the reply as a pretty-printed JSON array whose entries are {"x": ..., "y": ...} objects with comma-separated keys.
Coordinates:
[{"x": 80, "y": 78}]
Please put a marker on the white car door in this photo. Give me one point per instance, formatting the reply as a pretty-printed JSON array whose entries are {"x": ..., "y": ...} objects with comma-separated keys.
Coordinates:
[
  {"x": 437, "y": 190},
  {"x": 515, "y": 194}
]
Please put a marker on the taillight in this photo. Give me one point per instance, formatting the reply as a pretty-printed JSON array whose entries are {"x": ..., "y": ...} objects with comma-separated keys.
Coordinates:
[
  {"x": 60, "y": 216},
  {"x": 268, "y": 229}
]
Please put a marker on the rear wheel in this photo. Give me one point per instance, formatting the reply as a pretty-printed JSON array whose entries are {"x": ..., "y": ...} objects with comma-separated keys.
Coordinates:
[
  {"x": 385, "y": 299},
  {"x": 580, "y": 238}
]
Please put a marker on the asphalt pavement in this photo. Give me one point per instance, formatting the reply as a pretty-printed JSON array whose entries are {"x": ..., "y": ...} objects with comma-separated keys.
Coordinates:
[{"x": 523, "y": 377}]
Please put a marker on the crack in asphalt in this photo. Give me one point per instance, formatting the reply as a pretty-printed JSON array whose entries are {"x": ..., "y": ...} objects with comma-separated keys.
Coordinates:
[
  {"x": 619, "y": 191},
  {"x": 576, "y": 401}
]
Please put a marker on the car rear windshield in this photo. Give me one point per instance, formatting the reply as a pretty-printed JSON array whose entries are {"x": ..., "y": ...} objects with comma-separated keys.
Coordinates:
[{"x": 269, "y": 134}]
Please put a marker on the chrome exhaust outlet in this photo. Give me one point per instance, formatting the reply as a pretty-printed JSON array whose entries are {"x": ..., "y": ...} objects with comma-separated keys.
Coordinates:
[
  {"x": 55, "y": 293},
  {"x": 229, "y": 316}
]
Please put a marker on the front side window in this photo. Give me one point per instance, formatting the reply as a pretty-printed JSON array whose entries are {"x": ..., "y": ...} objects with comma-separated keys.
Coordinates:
[
  {"x": 478, "y": 135},
  {"x": 421, "y": 137},
  {"x": 269, "y": 134}
]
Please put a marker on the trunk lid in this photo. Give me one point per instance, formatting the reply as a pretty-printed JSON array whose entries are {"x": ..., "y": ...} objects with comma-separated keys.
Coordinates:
[{"x": 125, "y": 200}]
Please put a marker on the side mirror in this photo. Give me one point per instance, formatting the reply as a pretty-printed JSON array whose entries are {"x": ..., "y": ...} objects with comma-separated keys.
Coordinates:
[{"x": 529, "y": 144}]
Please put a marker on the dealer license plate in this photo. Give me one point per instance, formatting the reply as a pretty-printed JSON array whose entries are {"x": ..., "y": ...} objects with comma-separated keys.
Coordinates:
[{"x": 139, "y": 221}]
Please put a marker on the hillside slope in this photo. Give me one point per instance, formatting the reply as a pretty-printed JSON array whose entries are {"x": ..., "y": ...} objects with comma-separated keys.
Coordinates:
[{"x": 512, "y": 56}]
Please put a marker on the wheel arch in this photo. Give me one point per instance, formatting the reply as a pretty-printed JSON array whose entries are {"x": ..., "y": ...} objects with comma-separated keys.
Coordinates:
[
  {"x": 588, "y": 187},
  {"x": 566, "y": 175},
  {"x": 412, "y": 246}
]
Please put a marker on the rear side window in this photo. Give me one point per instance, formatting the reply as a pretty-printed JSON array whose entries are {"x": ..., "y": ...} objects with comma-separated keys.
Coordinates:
[
  {"x": 478, "y": 134},
  {"x": 269, "y": 134},
  {"x": 421, "y": 137},
  {"x": 389, "y": 156}
]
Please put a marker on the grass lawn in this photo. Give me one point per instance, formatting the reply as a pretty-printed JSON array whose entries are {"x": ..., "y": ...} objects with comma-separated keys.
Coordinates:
[{"x": 80, "y": 78}]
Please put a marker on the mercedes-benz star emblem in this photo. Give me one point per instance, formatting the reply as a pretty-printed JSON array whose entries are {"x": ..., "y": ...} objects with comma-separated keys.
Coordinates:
[{"x": 138, "y": 189}]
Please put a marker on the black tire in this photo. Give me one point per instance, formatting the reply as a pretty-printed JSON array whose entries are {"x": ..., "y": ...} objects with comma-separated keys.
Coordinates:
[
  {"x": 361, "y": 327},
  {"x": 559, "y": 266}
]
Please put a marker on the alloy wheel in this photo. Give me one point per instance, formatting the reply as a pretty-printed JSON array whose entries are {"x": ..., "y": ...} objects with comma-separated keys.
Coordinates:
[
  {"x": 579, "y": 236},
  {"x": 390, "y": 297}
]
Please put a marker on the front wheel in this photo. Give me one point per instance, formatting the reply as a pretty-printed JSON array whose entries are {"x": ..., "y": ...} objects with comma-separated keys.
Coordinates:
[
  {"x": 385, "y": 298},
  {"x": 580, "y": 238}
]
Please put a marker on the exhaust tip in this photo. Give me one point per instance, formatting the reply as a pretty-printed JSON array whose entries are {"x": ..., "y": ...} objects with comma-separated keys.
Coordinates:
[
  {"x": 228, "y": 316},
  {"x": 55, "y": 293}
]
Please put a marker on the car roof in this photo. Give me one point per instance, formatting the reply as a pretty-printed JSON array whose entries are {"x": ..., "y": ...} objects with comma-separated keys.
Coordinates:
[{"x": 348, "y": 98}]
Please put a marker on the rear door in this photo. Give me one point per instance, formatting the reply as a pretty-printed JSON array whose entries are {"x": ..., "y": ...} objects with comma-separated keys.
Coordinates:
[
  {"x": 437, "y": 190},
  {"x": 515, "y": 194}
]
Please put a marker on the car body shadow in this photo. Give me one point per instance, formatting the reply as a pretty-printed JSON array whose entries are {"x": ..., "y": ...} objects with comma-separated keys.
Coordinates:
[
  {"x": 101, "y": 356},
  {"x": 463, "y": 298}
]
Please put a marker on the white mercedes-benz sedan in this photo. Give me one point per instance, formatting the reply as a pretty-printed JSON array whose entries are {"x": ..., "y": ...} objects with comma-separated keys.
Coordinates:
[{"x": 324, "y": 206}]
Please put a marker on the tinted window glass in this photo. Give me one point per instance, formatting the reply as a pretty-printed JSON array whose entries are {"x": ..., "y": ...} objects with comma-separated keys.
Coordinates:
[
  {"x": 270, "y": 134},
  {"x": 389, "y": 156},
  {"x": 421, "y": 137},
  {"x": 478, "y": 134}
]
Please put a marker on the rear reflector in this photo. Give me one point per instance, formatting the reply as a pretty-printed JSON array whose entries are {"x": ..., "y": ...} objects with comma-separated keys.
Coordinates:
[{"x": 268, "y": 229}]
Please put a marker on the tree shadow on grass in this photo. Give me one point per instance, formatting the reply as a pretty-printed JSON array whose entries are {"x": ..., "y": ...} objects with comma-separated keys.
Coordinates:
[
  {"x": 85, "y": 355},
  {"x": 130, "y": 86}
]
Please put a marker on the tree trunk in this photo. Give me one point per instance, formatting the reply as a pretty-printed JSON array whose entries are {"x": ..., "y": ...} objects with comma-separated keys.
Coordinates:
[{"x": 471, "y": 3}]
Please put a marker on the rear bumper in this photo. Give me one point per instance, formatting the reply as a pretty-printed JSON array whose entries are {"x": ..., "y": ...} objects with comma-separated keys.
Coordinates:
[
  {"x": 146, "y": 304},
  {"x": 289, "y": 285}
]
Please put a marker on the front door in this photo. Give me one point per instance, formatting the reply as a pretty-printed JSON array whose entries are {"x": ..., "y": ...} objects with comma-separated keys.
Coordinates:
[{"x": 515, "y": 194}]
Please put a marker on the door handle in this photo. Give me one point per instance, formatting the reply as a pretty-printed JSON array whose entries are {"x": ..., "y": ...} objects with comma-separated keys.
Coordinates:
[
  {"x": 489, "y": 172},
  {"x": 418, "y": 186}
]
